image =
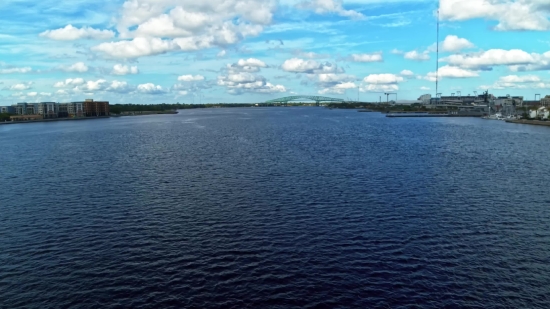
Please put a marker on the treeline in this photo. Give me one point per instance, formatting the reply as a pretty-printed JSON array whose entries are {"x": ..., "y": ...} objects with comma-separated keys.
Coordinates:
[
  {"x": 5, "y": 117},
  {"x": 119, "y": 108},
  {"x": 378, "y": 106}
]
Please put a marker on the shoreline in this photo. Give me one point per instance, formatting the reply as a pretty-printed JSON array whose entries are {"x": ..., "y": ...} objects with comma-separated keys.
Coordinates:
[
  {"x": 86, "y": 118},
  {"x": 54, "y": 120},
  {"x": 531, "y": 122}
]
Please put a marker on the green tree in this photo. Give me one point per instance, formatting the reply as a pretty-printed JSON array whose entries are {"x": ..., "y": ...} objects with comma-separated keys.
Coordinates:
[{"x": 5, "y": 117}]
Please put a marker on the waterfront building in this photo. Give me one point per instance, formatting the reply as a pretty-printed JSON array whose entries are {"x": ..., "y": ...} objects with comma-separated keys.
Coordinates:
[
  {"x": 7, "y": 110},
  {"x": 545, "y": 101},
  {"x": 95, "y": 108},
  {"x": 24, "y": 108},
  {"x": 531, "y": 103},
  {"x": 509, "y": 101},
  {"x": 425, "y": 98},
  {"x": 50, "y": 110}
]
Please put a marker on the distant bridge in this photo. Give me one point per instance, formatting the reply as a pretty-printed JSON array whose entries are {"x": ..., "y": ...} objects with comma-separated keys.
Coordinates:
[{"x": 317, "y": 99}]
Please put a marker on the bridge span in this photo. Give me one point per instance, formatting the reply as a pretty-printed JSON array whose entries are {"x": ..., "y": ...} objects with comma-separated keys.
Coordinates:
[{"x": 317, "y": 99}]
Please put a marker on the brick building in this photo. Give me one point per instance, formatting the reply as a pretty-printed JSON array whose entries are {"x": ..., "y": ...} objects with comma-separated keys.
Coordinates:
[{"x": 95, "y": 108}]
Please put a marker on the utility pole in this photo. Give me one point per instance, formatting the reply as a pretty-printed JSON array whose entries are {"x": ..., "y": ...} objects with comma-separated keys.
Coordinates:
[{"x": 437, "y": 58}]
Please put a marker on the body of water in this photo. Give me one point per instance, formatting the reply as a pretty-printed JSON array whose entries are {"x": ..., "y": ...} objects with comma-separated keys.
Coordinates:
[{"x": 274, "y": 208}]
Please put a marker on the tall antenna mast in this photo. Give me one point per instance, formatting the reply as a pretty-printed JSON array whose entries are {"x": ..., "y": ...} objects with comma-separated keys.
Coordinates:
[{"x": 437, "y": 60}]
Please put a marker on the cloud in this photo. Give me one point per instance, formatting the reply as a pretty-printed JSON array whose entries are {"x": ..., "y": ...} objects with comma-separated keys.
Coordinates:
[
  {"x": 70, "y": 33},
  {"x": 416, "y": 56},
  {"x": 396, "y": 51},
  {"x": 451, "y": 72},
  {"x": 15, "y": 70},
  {"x": 190, "y": 78},
  {"x": 374, "y": 57},
  {"x": 338, "y": 88},
  {"x": 20, "y": 87},
  {"x": 69, "y": 82},
  {"x": 332, "y": 78},
  {"x": 424, "y": 88},
  {"x": 79, "y": 67},
  {"x": 383, "y": 79},
  {"x": 242, "y": 82},
  {"x": 251, "y": 65},
  {"x": 46, "y": 94},
  {"x": 407, "y": 73},
  {"x": 381, "y": 83},
  {"x": 520, "y": 79},
  {"x": 452, "y": 43},
  {"x": 329, "y": 6},
  {"x": 221, "y": 54},
  {"x": 91, "y": 86},
  {"x": 510, "y": 14},
  {"x": 379, "y": 88},
  {"x": 137, "y": 47},
  {"x": 156, "y": 27},
  {"x": 518, "y": 82},
  {"x": 119, "y": 87},
  {"x": 120, "y": 69},
  {"x": 309, "y": 55},
  {"x": 493, "y": 57},
  {"x": 150, "y": 88},
  {"x": 297, "y": 65}
]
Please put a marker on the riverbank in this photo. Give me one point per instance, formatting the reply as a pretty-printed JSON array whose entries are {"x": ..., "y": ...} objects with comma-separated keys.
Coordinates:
[
  {"x": 531, "y": 122},
  {"x": 140, "y": 113},
  {"x": 54, "y": 120}
]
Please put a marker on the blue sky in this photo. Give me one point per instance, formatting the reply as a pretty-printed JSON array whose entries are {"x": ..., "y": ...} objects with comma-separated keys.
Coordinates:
[{"x": 153, "y": 51}]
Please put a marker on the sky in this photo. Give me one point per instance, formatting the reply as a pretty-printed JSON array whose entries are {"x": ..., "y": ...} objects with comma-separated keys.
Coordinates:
[{"x": 229, "y": 51}]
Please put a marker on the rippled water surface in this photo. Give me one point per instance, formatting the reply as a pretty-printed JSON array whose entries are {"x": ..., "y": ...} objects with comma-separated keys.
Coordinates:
[{"x": 274, "y": 208}]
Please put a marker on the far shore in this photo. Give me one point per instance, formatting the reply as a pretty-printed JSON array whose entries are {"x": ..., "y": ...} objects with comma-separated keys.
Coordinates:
[
  {"x": 54, "y": 120},
  {"x": 531, "y": 122}
]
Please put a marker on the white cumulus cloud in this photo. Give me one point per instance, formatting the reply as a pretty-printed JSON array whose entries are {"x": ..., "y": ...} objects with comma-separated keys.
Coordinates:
[
  {"x": 297, "y": 65},
  {"x": 242, "y": 82},
  {"x": 510, "y": 14},
  {"x": 190, "y": 78},
  {"x": 493, "y": 57},
  {"x": 451, "y": 72},
  {"x": 453, "y": 43},
  {"x": 21, "y": 86},
  {"x": 520, "y": 79},
  {"x": 150, "y": 88},
  {"x": 157, "y": 27},
  {"x": 119, "y": 69},
  {"x": 375, "y": 57},
  {"x": 251, "y": 65},
  {"x": 79, "y": 67},
  {"x": 119, "y": 87},
  {"x": 383, "y": 79},
  {"x": 137, "y": 47},
  {"x": 417, "y": 56},
  {"x": 69, "y": 82},
  {"x": 338, "y": 88},
  {"x": 329, "y": 6},
  {"x": 15, "y": 70},
  {"x": 379, "y": 88},
  {"x": 70, "y": 33}
]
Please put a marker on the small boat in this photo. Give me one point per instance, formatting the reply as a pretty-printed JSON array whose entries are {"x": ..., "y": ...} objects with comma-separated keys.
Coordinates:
[{"x": 497, "y": 116}]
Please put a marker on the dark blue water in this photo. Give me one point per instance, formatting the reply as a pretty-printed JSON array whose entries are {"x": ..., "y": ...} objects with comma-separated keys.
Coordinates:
[{"x": 274, "y": 208}]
